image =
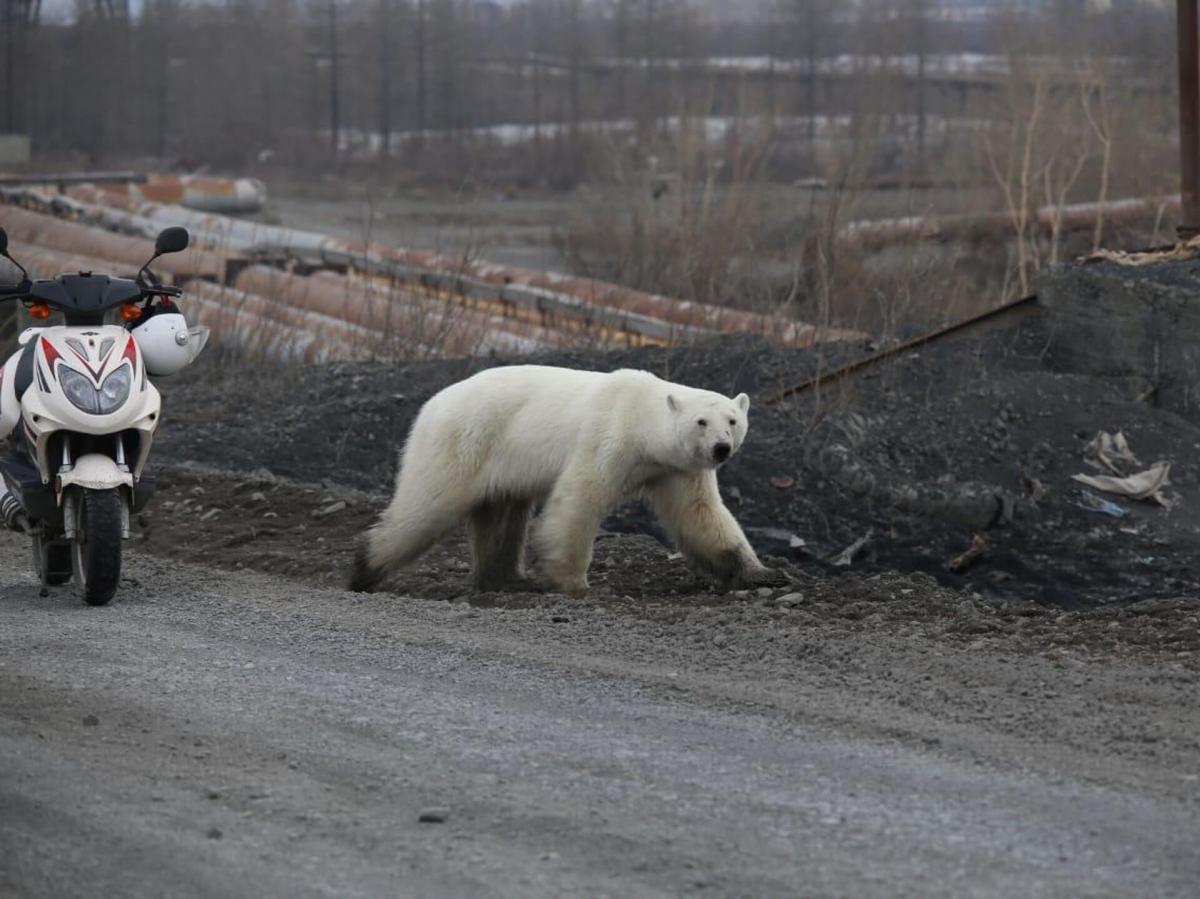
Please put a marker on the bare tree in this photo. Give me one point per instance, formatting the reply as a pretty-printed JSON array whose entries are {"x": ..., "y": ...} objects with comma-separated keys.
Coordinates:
[{"x": 335, "y": 119}]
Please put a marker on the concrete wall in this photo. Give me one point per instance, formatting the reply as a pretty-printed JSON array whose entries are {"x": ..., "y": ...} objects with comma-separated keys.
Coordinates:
[{"x": 1138, "y": 323}]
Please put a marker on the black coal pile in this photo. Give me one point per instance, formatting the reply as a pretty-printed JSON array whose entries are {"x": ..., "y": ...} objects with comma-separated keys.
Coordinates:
[{"x": 955, "y": 460}]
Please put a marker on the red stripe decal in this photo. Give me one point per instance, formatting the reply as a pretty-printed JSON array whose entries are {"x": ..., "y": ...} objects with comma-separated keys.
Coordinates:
[{"x": 52, "y": 355}]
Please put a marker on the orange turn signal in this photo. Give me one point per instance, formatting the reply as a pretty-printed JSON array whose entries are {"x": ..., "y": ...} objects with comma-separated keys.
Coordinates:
[
  {"x": 40, "y": 311},
  {"x": 130, "y": 311}
]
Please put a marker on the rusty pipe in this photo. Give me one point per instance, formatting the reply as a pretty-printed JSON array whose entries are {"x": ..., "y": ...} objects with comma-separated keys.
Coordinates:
[{"x": 129, "y": 252}]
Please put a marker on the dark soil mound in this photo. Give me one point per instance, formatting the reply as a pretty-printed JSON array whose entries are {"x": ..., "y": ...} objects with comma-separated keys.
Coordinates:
[{"x": 965, "y": 437}]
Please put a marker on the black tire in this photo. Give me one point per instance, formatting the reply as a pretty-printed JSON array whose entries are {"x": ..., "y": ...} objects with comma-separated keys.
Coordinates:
[
  {"x": 52, "y": 561},
  {"x": 96, "y": 549}
]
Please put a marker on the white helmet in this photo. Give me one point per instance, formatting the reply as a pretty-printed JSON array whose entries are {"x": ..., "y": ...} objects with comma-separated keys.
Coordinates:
[{"x": 167, "y": 344}]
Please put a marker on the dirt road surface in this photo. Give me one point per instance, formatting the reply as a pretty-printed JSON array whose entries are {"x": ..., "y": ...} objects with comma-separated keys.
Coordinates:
[{"x": 217, "y": 733}]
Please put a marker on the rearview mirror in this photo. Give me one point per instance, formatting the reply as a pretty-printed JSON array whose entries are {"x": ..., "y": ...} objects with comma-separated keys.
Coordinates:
[
  {"x": 171, "y": 240},
  {"x": 4, "y": 254}
]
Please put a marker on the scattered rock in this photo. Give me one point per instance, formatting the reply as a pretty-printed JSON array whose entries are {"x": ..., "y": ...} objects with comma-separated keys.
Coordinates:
[
  {"x": 90, "y": 721},
  {"x": 214, "y": 833},
  {"x": 262, "y": 476},
  {"x": 433, "y": 815},
  {"x": 331, "y": 509}
]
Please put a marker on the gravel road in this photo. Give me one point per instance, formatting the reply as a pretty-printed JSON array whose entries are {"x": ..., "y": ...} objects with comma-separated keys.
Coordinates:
[{"x": 218, "y": 733}]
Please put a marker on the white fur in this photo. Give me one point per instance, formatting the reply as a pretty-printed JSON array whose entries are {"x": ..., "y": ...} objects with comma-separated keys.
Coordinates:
[{"x": 490, "y": 448}]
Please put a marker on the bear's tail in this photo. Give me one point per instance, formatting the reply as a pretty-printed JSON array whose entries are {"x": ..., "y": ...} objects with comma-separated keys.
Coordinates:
[{"x": 364, "y": 577}]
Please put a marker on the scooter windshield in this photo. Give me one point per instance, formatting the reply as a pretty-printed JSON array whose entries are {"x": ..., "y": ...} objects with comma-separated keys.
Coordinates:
[{"x": 85, "y": 296}]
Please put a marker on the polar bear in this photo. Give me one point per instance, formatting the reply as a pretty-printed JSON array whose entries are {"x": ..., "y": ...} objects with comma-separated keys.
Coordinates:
[{"x": 491, "y": 448}]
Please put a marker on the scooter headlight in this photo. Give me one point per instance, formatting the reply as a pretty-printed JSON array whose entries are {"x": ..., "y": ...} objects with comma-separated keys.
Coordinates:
[
  {"x": 79, "y": 390},
  {"x": 114, "y": 391}
]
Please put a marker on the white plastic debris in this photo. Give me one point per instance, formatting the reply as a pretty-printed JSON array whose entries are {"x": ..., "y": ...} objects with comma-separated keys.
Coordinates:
[
  {"x": 1145, "y": 485},
  {"x": 1106, "y": 450},
  {"x": 846, "y": 556}
]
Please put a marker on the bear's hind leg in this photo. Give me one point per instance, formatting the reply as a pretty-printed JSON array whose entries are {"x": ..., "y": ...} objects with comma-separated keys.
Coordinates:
[
  {"x": 419, "y": 515},
  {"x": 497, "y": 530}
]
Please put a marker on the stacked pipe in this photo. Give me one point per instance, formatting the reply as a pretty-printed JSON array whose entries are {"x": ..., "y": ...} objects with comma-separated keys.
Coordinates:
[
  {"x": 259, "y": 327},
  {"x": 130, "y": 252},
  {"x": 500, "y": 308},
  {"x": 397, "y": 314},
  {"x": 879, "y": 233},
  {"x": 46, "y": 262},
  {"x": 556, "y": 299},
  {"x": 193, "y": 191}
]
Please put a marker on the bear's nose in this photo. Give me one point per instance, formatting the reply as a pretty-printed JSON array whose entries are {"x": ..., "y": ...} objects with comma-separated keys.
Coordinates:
[{"x": 721, "y": 451}]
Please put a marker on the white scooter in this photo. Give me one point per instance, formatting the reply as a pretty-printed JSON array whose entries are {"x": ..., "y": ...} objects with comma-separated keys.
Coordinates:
[{"x": 80, "y": 414}]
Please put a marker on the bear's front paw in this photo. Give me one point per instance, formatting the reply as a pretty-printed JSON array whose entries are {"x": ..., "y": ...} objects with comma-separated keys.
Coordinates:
[
  {"x": 576, "y": 588},
  {"x": 761, "y": 576},
  {"x": 573, "y": 585}
]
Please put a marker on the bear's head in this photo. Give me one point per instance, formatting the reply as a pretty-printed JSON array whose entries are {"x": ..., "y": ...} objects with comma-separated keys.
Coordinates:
[{"x": 709, "y": 428}]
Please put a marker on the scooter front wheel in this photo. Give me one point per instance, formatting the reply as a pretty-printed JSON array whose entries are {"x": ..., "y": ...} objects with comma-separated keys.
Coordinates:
[{"x": 96, "y": 549}]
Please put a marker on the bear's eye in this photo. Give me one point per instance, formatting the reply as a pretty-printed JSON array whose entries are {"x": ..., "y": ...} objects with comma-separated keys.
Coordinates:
[
  {"x": 733, "y": 421},
  {"x": 703, "y": 423}
]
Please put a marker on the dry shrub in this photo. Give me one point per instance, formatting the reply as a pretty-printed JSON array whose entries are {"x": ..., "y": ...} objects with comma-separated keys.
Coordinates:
[{"x": 684, "y": 218}]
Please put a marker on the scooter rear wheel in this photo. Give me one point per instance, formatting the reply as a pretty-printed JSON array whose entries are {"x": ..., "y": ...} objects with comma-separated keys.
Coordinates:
[
  {"x": 52, "y": 560},
  {"x": 96, "y": 549}
]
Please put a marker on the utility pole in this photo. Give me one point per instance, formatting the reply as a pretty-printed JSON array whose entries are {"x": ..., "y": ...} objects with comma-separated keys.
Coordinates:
[
  {"x": 10, "y": 49},
  {"x": 922, "y": 36},
  {"x": 422, "y": 122},
  {"x": 1188, "y": 24},
  {"x": 812, "y": 45},
  {"x": 648, "y": 106},
  {"x": 335, "y": 125},
  {"x": 385, "y": 77},
  {"x": 162, "y": 12},
  {"x": 574, "y": 52}
]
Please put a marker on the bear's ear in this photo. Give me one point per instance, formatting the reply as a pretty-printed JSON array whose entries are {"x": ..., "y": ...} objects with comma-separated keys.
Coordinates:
[
  {"x": 672, "y": 403},
  {"x": 743, "y": 401}
]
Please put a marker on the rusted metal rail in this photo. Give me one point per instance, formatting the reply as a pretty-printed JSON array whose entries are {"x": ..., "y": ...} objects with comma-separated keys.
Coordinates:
[{"x": 1001, "y": 315}]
